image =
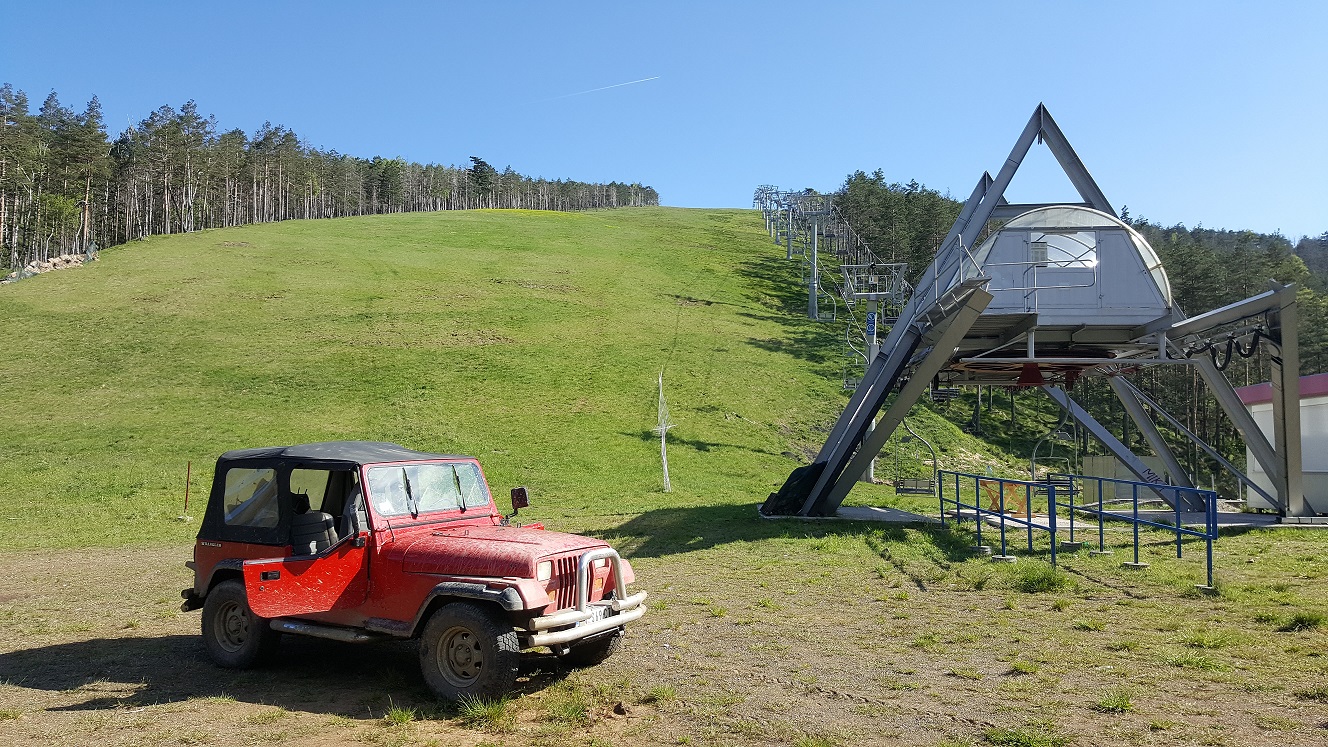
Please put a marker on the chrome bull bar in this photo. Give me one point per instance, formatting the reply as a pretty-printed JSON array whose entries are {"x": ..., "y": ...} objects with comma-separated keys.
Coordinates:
[{"x": 589, "y": 618}]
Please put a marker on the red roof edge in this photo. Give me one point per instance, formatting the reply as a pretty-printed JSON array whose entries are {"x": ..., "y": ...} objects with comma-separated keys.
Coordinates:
[{"x": 1315, "y": 385}]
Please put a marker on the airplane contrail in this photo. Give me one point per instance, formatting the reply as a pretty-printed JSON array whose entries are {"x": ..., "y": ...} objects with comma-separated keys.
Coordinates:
[{"x": 603, "y": 88}]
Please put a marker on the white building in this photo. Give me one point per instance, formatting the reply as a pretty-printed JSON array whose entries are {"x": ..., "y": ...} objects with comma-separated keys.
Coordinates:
[{"x": 1258, "y": 400}]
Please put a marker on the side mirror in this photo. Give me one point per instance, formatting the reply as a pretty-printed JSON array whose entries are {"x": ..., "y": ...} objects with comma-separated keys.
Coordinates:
[{"x": 520, "y": 499}]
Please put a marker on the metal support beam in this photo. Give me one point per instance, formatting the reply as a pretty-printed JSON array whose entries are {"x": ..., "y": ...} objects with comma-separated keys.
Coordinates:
[
  {"x": 1209, "y": 450},
  {"x": 1260, "y": 449},
  {"x": 925, "y": 287},
  {"x": 956, "y": 325},
  {"x": 814, "y": 284},
  {"x": 881, "y": 377},
  {"x": 1285, "y": 364},
  {"x": 788, "y": 229},
  {"x": 1267, "y": 301},
  {"x": 1119, "y": 450},
  {"x": 882, "y": 374},
  {"x": 1083, "y": 182},
  {"x": 873, "y": 348},
  {"x": 1008, "y": 210},
  {"x": 1155, "y": 441}
]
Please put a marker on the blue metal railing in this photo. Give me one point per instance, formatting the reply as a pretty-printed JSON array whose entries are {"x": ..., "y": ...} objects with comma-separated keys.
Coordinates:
[
  {"x": 951, "y": 488},
  {"x": 998, "y": 490},
  {"x": 1172, "y": 494}
]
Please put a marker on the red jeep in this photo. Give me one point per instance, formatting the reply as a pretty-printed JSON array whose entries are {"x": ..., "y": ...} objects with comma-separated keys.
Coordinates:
[{"x": 360, "y": 541}]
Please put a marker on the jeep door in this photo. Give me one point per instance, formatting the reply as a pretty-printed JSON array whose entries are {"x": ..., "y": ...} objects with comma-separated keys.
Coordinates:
[{"x": 333, "y": 573}]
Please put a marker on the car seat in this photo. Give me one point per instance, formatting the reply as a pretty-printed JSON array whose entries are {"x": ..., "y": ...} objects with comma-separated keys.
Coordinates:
[{"x": 311, "y": 531}]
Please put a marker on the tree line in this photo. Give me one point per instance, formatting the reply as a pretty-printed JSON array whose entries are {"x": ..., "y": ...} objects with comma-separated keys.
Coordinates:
[{"x": 66, "y": 186}]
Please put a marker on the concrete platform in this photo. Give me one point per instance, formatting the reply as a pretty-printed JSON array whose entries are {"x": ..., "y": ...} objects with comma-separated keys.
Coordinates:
[
  {"x": 1225, "y": 519},
  {"x": 877, "y": 513},
  {"x": 1196, "y": 518},
  {"x": 1305, "y": 522}
]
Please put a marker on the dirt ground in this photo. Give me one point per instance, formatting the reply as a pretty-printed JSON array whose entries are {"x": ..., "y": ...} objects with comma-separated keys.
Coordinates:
[{"x": 93, "y": 651}]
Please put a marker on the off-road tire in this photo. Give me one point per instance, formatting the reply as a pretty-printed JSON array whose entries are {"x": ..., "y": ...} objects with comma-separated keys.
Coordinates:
[
  {"x": 235, "y": 637},
  {"x": 466, "y": 650},
  {"x": 590, "y": 653}
]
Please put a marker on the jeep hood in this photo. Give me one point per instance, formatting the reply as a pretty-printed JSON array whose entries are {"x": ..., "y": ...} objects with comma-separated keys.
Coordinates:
[{"x": 489, "y": 550}]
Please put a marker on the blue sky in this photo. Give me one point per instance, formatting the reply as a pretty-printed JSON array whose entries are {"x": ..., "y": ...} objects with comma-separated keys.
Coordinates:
[{"x": 1207, "y": 113}]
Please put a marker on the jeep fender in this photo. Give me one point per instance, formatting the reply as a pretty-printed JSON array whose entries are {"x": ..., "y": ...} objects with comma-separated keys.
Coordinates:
[
  {"x": 507, "y": 599},
  {"x": 224, "y": 569}
]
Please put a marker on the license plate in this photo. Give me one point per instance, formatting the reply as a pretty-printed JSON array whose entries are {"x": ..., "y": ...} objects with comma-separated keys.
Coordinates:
[{"x": 597, "y": 612}]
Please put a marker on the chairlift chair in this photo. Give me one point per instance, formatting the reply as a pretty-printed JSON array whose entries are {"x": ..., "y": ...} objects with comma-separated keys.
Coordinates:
[
  {"x": 1064, "y": 432},
  {"x": 914, "y": 485}
]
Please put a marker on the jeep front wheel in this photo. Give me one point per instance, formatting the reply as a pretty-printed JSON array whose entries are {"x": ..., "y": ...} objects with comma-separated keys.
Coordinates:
[
  {"x": 590, "y": 653},
  {"x": 235, "y": 637},
  {"x": 467, "y": 651}
]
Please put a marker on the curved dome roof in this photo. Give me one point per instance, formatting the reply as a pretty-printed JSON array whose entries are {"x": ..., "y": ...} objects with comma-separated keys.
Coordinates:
[{"x": 1069, "y": 217}]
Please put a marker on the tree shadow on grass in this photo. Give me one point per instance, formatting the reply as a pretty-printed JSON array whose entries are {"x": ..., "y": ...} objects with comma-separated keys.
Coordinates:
[
  {"x": 650, "y": 436},
  {"x": 307, "y": 674},
  {"x": 668, "y": 531},
  {"x": 778, "y": 290}
]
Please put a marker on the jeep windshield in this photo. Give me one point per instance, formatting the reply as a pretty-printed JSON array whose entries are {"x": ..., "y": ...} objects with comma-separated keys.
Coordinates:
[{"x": 413, "y": 489}]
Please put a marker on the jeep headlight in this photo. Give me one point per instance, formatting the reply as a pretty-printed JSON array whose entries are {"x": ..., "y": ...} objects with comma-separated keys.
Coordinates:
[{"x": 544, "y": 571}]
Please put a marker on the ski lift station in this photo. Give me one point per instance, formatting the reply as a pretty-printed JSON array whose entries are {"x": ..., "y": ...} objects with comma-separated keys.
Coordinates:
[{"x": 1039, "y": 295}]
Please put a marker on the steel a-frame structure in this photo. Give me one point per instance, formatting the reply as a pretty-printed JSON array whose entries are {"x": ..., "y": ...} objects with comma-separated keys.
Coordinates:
[{"x": 1101, "y": 306}]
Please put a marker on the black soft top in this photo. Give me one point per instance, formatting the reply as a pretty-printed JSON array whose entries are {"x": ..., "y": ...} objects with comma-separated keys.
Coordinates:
[
  {"x": 335, "y": 456},
  {"x": 342, "y": 452}
]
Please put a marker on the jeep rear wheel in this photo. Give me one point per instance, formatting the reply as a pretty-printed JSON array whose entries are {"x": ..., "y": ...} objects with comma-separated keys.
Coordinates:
[
  {"x": 467, "y": 651},
  {"x": 235, "y": 637}
]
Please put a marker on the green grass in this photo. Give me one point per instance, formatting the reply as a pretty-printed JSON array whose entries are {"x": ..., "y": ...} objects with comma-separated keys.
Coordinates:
[
  {"x": 398, "y": 716},
  {"x": 1208, "y": 639},
  {"x": 660, "y": 694},
  {"x": 1119, "y": 700},
  {"x": 567, "y": 706},
  {"x": 1319, "y": 693},
  {"x": 270, "y": 716},
  {"x": 1020, "y": 666},
  {"x": 1191, "y": 660},
  {"x": 490, "y": 714},
  {"x": 531, "y": 340},
  {"x": 1037, "y": 578},
  {"x": 1302, "y": 621}
]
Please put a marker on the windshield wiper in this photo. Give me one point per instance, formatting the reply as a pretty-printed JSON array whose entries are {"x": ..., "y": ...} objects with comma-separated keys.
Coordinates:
[
  {"x": 410, "y": 497},
  {"x": 456, "y": 480}
]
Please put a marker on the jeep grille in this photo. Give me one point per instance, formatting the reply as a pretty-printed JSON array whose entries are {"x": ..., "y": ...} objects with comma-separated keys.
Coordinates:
[{"x": 564, "y": 575}]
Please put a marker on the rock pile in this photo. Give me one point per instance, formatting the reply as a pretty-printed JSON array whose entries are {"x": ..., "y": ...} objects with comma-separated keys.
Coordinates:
[{"x": 62, "y": 262}]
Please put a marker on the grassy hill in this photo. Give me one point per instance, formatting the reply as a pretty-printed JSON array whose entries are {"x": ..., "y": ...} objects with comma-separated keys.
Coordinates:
[{"x": 531, "y": 340}]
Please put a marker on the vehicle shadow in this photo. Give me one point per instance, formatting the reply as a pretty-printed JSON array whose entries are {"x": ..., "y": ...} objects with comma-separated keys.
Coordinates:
[
  {"x": 307, "y": 674},
  {"x": 666, "y": 531}
]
